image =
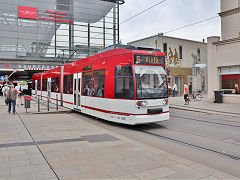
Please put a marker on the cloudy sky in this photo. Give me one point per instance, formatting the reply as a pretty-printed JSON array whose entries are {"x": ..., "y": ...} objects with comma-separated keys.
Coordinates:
[{"x": 167, "y": 16}]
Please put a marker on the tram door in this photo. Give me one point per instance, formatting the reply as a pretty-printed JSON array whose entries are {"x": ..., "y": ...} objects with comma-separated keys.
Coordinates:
[
  {"x": 77, "y": 90},
  {"x": 49, "y": 88}
]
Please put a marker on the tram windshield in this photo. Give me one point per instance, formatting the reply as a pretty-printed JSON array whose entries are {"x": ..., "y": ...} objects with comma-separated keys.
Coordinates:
[{"x": 151, "y": 82}]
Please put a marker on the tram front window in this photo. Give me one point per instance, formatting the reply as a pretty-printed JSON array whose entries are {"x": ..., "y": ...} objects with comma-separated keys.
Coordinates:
[{"x": 151, "y": 82}]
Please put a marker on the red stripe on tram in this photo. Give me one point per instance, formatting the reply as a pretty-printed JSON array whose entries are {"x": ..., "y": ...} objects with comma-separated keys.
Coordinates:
[{"x": 119, "y": 113}]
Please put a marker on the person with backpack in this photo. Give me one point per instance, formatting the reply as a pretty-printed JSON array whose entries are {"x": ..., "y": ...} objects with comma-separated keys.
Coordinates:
[
  {"x": 20, "y": 94},
  {"x": 12, "y": 96},
  {"x": 4, "y": 91}
]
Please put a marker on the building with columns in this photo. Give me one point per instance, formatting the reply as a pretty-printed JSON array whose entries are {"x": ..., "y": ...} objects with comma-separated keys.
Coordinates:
[{"x": 224, "y": 54}]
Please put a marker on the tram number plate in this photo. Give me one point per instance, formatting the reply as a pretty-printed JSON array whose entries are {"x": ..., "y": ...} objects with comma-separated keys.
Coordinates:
[
  {"x": 149, "y": 59},
  {"x": 118, "y": 118}
]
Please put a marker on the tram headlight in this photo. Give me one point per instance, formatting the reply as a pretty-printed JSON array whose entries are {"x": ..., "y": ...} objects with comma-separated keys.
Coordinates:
[
  {"x": 141, "y": 103},
  {"x": 165, "y": 101}
]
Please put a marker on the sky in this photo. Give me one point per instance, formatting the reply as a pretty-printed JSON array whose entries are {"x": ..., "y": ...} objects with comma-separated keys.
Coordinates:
[{"x": 167, "y": 16}]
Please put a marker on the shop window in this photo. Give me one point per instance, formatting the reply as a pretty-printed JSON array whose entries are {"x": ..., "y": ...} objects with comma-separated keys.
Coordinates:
[
  {"x": 124, "y": 88},
  {"x": 98, "y": 83},
  {"x": 44, "y": 84},
  {"x": 87, "y": 83},
  {"x": 229, "y": 83}
]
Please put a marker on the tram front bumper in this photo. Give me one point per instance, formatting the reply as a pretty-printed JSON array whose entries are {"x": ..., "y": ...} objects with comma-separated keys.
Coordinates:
[{"x": 144, "y": 119}]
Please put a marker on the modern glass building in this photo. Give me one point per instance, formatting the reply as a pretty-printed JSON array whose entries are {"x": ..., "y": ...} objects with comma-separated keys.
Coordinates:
[{"x": 56, "y": 31}]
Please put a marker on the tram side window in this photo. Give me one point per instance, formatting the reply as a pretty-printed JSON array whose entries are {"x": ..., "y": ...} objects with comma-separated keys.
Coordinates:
[
  {"x": 57, "y": 85},
  {"x": 124, "y": 87},
  {"x": 38, "y": 85},
  {"x": 65, "y": 84},
  {"x": 87, "y": 83},
  {"x": 68, "y": 84},
  {"x": 44, "y": 85},
  {"x": 33, "y": 84},
  {"x": 53, "y": 84},
  {"x": 98, "y": 83}
]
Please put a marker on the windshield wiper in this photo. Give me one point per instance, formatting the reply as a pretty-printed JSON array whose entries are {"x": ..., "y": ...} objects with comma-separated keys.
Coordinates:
[{"x": 149, "y": 94}]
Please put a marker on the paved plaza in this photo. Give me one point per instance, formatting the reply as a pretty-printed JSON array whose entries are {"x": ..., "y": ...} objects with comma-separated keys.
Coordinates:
[
  {"x": 205, "y": 106},
  {"x": 57, "y": 145}
]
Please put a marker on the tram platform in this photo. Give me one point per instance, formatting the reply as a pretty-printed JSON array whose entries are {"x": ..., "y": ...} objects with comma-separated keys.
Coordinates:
[
  {"x": 58, "y": 145},
  {"x": 205, "y": 106}
]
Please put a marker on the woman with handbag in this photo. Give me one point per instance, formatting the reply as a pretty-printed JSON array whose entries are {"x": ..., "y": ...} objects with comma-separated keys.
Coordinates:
[{"x": 186, "y": 94}]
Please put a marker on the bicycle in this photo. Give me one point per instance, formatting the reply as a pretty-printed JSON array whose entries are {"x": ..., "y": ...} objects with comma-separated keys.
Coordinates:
[{"x": 196, "y": 96}]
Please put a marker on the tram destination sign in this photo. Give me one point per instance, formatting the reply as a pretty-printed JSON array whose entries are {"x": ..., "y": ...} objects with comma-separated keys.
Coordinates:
[{"x": 149, "y": 59}]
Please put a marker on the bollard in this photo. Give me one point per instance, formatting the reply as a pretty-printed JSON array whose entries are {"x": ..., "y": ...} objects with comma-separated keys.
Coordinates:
[
  {"x": 25, "y": 101},
  {"x": 57, "y": 102},
  {"x": 38, "y": 104},
  {"x": 48, "y": 103}
]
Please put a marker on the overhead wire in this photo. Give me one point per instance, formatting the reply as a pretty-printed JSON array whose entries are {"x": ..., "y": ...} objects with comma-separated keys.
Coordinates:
[
  {"x": 176, "y": 29},
  {"x": 198, "y": 22},
  {"x": 136, "y": 14},
  {"x": 143, "y": 11}
]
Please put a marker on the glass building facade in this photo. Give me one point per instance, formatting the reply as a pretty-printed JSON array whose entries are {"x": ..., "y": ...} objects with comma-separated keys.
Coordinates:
[{"x": 57, "y": 30}]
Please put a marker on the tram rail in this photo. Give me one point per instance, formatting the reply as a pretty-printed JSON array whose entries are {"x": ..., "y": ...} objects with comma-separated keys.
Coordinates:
[
  {"x": 211, "y": 122},
  {"x": 235, "y": 157}
]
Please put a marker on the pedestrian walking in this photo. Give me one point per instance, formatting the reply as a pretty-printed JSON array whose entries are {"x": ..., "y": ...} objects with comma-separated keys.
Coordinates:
[
  {"x": 4, "y": 91},
  {"x": 175, "y": 89},
  {"x": 236, "y": 89},
  {"x": 12, "y": 95},
  {"x": 20, "y": 94},
  {"x": 186, "y": 94}
]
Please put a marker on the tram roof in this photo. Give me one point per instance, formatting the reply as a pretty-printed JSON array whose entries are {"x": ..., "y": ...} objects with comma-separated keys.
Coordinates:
[{"x": 119, "y": 50}]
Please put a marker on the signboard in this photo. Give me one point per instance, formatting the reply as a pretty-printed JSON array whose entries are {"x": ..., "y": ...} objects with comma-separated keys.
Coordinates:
[
  {"x": 27, "y": 66},
  {"x": 201, "y": 65},
  {"x": 31, "y": 13},
  {"x": 149, "y": 59},
  {"x": 2, "y": 78},
  {"x": 27, "y": 12}
]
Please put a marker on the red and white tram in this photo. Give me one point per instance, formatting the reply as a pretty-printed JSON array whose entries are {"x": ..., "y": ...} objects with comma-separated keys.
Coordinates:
[{"x": 120, "y": 85}]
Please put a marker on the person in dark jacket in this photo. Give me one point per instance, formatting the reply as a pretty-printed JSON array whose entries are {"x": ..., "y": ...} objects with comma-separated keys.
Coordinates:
[{"x": 12, "y": 96}]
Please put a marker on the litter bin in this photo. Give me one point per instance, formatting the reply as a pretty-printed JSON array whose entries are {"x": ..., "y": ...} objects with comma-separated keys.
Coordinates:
[
  {"x": 218, "y": 96},
  {"x": 27, "y": 100}
]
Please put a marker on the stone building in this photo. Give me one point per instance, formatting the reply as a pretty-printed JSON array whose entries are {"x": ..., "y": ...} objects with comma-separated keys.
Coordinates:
[{"x": 224, "y": 54}]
